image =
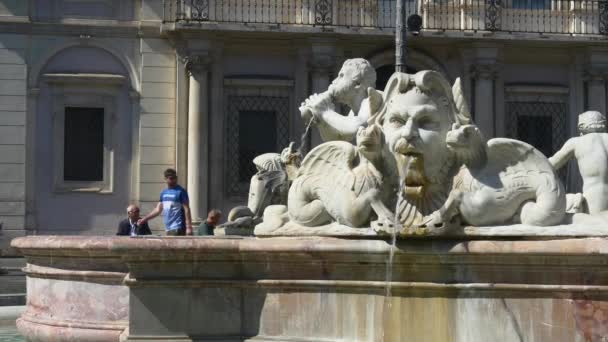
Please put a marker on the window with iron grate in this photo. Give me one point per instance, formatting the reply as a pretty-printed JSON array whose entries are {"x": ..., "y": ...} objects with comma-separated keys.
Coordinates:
[
  {"x": 251, "y": 143},
  {"x": 256, "y": 124},
  {"x": 540, "y": 124}
]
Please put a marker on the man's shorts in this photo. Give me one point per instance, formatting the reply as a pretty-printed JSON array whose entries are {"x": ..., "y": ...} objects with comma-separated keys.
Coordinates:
[{"x": 177, "y": 232}]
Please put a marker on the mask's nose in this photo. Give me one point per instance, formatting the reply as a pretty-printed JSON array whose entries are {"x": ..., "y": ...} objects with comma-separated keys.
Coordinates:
[{"x": 409, "y": 130}]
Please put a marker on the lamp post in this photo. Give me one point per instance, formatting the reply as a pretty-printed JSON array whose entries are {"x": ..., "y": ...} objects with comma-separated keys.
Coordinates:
[
  {"x": 400, "y": 38},
  {"x": 414, "y": 25}
]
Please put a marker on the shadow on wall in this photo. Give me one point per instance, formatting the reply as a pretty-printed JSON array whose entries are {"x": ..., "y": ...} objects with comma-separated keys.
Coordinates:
[
  {"x": 174, "y": 310},
  {"x": 14, "y": 8}
]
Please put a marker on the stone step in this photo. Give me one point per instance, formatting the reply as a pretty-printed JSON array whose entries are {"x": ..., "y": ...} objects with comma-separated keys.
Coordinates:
[
  {"x": 12, "y": 282},
  {"x": 12, "y": 299},
  {"x": 12, "y": 263}
]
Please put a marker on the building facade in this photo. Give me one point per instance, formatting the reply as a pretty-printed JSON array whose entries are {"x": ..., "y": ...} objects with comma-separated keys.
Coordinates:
[{"x": 98, "y": 97}]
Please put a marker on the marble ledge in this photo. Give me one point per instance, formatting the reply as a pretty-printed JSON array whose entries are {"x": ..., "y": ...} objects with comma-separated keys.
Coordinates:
[{"x": 125, "y": 247}]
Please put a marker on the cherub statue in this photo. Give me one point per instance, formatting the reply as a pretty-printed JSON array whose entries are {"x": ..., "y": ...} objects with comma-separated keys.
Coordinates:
[
  {"x": 340, "y": 182},
  {"x": 446, "y": 169},
  {"x": 354, "y": 88},
  {"x": 591, "y": 152}
]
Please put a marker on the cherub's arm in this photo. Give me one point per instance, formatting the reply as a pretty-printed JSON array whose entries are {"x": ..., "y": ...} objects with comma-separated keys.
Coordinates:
[
  {"x": 561, "y": 157},
  {"x": 334, "y": 126}
]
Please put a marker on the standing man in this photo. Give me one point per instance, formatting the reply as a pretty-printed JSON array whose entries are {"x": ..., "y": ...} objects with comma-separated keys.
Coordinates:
[
  {"x": 129, "y": 226},
  {"x": 174, "y": 206},
  {"x": 207, "y": 227}
]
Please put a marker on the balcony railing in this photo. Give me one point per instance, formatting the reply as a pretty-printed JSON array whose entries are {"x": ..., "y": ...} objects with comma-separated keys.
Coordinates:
[{"x": 540, "y": 16}]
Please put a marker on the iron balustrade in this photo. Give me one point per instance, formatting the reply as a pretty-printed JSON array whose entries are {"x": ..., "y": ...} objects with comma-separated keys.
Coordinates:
[{"x": 539, "y": 16}]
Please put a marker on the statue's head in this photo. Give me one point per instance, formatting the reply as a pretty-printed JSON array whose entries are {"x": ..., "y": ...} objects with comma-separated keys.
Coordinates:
[
  {"x": 591, "y": 122},
  {"x": 291, "y": 156},
  {"x": 369, "y": 141},
  {"x": 418, "y": 112},
  {"x": 355, "y": 76}
]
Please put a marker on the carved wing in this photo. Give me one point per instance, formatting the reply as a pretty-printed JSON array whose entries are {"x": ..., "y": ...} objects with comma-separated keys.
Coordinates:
[
  {"x": 333, "y": 161},
  {"x": 509, "y": 156}
]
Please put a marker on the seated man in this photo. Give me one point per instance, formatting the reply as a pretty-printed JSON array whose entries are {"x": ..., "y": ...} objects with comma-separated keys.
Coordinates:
[
  {"x": 207, "y": 226},
  {"x": 354, "y": 87},
  {"x": 129, "y": 226},
  {"x": 590, "y": 150}
]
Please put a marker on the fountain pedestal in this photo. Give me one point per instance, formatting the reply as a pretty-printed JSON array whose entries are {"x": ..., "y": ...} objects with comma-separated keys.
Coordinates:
[{"x": 313, "y": 289}]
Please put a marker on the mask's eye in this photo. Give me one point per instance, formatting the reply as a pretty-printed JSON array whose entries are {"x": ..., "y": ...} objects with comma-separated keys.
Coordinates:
[
  {"x": 396, "y": 121},
  {"x": 427, "y": 123}
]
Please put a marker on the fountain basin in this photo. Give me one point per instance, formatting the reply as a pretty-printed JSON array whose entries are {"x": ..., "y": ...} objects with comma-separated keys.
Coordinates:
[{"x": 313, "y": 289}]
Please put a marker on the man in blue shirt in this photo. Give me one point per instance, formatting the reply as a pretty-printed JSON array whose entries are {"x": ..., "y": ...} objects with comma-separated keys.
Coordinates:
[{"x": 174, "y": 206}]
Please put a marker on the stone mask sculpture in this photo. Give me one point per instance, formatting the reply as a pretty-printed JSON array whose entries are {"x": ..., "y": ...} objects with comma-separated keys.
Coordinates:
[{"x": 447, "y": 169}]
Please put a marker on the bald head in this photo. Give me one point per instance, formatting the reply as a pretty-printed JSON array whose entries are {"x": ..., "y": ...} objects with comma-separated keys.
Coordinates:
[
  {"x": 133, "y": 211},
  {"x": 591, "y": 122}
]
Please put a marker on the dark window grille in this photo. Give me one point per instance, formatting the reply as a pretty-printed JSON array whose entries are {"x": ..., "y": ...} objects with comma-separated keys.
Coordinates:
[
  {"x": 255, "y": 125},
  {"x": 251, "y": 142},
  {"x": 540, "y": 124},
  {"x": 83, "y": 144}
]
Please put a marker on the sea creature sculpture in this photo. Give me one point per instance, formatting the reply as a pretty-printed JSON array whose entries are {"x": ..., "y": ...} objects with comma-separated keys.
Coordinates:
[{"x": 341, "y": 182}]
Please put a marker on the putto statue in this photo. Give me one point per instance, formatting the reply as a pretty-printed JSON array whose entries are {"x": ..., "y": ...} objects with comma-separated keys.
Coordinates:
[
  {"x": 419, "y": 153},
  {"x": 590, "y": 150},
  {"x": 354, "y": 88}
]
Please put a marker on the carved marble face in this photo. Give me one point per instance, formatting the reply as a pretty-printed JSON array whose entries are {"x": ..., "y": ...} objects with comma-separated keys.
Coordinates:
[
  {"x": 415, "y": 127},
  {"x": 343, "y": 87}
]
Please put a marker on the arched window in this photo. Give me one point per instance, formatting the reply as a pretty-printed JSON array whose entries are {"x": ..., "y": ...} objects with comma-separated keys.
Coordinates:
[{"x": 385, "y": 72}]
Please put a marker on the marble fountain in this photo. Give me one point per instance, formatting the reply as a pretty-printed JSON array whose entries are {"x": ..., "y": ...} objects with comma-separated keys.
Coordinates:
[{"x": 421, "y": 231}]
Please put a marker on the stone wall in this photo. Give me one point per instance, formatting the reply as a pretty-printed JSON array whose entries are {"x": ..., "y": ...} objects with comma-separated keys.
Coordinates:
[
  {"x": 13, "y": 98},
  {"x": 157, "y": 121}
]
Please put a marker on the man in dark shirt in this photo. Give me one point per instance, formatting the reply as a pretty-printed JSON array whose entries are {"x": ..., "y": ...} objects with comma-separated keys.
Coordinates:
[
  {"x": 207, "y": 226},
  {"x": 129, "y": 226}
]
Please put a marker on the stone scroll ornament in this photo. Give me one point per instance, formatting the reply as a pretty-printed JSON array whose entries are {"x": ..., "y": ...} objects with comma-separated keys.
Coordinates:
[{"x": 420, "y": 166}]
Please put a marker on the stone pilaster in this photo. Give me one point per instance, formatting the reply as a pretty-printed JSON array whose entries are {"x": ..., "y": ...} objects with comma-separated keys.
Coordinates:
[
  {"x": 484, "y": 76},
  {"x": 197, "y": 66},
  {"x": 321, "y": 66},
  {"x": 595, "y": 76},
  {"x": 596, "y": 89}
]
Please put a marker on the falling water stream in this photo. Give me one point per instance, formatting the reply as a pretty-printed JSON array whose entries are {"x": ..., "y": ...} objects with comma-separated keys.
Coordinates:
[
  {"x": 389, "y": 263},
  {"x": 304, "y": 138}
]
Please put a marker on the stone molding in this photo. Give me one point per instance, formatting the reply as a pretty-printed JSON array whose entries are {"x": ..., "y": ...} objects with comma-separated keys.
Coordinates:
[
  {"x": 322, "y": 63},
  {"x": 34, "y": 271},
  {"x": 484, "y": 71},
  {"x": 396, "y": 286},
  {"x": 197, "y": 63},
  {"x": 595, "y": 75}
]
